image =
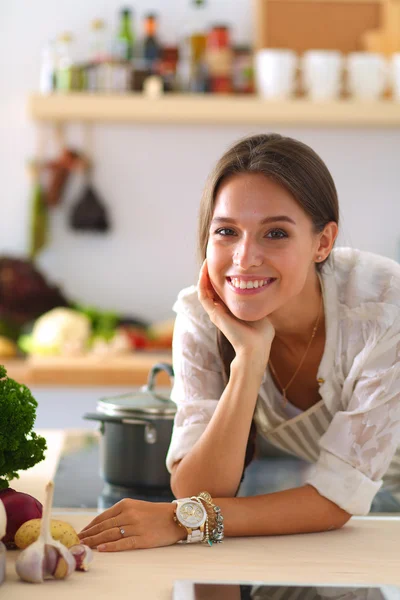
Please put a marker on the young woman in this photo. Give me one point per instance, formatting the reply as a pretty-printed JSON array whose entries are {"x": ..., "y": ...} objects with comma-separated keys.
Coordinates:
[{"x": 283, "y": 335}]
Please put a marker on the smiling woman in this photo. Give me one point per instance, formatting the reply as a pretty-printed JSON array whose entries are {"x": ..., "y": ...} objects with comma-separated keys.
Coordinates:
[{"x": 285, "y": 336}]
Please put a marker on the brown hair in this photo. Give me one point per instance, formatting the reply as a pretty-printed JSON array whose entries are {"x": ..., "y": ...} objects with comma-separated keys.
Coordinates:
[{"x": 297, "y": 168}]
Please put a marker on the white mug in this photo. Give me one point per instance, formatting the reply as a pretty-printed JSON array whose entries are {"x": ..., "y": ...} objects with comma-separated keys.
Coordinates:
[
  {"x": 395, "y": 76},
  {"x": 322, "y": 74},
  {"x": 367, "y": 75},
  {"x": 275, "y": 72}
]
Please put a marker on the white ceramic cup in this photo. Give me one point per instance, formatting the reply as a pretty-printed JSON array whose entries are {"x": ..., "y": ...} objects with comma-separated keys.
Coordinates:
[
  {"x": 322, "y": 74},
  {"x": 275, "y": 72},
  {"x": 367, "y": 75},
  {"x": 394, "y": 72}
]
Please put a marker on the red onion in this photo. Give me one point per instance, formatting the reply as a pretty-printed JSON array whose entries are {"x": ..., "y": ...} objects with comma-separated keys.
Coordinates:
[{"x": 20, "y": 507}]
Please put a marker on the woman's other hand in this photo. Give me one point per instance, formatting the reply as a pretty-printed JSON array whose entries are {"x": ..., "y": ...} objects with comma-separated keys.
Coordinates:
[
  {"x": 132, "y": 524},
  {"x": 247, "y": 338}
]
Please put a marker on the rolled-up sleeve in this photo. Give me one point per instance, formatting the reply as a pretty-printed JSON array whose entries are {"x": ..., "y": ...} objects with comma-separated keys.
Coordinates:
[
  {"x": 198, "y": 382},
  {"x": 359, "y": 444}
]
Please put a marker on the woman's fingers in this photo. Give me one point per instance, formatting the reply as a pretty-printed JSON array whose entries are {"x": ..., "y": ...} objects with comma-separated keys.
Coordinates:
[
  {"x": 108, "y": 535},
  {"x": 95, "y": 529},
  {"x": 112, "y": 539},
  {"x": 110, "y": 513},
  {"x": 126, "y": 543}
]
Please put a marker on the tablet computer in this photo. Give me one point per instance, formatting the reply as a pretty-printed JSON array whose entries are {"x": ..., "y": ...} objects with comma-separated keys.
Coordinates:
[{"x": 194, "y": 590}]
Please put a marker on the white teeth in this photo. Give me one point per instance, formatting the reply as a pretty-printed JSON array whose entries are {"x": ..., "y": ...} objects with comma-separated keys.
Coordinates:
[{"x": 243, "y": 285}]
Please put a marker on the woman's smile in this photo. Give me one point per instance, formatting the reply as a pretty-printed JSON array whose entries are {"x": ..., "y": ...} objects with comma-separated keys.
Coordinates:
[{"x": 249, "y": 285}]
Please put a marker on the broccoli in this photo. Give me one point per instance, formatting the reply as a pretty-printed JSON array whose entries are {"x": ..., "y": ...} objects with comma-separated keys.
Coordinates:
[{"x": 20, "y": 447}]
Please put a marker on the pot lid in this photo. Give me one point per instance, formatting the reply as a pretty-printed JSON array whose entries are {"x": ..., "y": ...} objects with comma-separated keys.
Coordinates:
[{"x": 144, "y": 402}]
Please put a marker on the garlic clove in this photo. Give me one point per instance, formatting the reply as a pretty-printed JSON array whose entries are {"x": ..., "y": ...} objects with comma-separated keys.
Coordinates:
[
  {"x": 83, "y": 556},
  {"x": 30, "y": 565}
]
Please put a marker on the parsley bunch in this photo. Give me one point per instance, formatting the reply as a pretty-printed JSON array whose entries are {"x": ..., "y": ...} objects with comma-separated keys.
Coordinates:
[{"x": 20, "y": 447}]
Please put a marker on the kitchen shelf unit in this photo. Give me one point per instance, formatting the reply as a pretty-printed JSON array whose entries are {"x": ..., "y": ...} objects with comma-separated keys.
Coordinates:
[{"x": 199, "y": 109}]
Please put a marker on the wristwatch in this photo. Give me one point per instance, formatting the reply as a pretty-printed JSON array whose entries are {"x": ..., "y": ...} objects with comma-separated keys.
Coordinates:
[{"x": 191, "y": 515}]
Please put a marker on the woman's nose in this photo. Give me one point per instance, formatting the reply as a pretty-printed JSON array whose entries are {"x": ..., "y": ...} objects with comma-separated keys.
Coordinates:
[{"x": 247, "y": 255}]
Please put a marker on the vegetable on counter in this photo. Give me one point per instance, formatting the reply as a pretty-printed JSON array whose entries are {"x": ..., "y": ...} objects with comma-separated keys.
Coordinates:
[
  {"x": 20, "y": 507},
  {"x": 46, "y": 558},
  {"x": 62, "y": 532},
  {"x": 59, "y": 331},
  {"x": 20, "y": 449},
  {"x": 3, "y": 527}
]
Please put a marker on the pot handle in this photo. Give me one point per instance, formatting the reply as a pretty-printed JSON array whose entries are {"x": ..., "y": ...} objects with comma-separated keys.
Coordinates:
[
  {"x": 150, "y": 432},
  {"x": 154, "y": 372}
]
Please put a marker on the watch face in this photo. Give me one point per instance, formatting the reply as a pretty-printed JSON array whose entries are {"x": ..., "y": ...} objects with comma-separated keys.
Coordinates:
[{"x": 191, "y": 514}]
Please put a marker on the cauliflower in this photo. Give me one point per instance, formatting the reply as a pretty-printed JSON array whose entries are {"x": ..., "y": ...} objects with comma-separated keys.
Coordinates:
[{"x": 60, "y": 331}]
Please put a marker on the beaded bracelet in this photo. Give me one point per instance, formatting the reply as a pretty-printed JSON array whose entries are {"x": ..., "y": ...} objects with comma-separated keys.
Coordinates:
[{"x": 214, "y": 533}]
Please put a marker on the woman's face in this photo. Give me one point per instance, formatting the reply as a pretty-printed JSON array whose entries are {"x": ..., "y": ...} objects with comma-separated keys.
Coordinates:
[{"x": 261, "y": 250}]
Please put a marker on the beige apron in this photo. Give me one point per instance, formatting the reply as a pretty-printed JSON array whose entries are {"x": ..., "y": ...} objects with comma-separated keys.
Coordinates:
[{"x": 300, "y": 435}]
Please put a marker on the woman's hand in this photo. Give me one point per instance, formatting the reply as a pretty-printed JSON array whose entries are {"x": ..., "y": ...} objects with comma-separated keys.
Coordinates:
[
  {"x": 132, "y": 524},
  {"x": 249, "y": 338}
]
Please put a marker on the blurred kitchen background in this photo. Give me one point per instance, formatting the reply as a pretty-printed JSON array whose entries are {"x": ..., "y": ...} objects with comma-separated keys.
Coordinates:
[{"x": 112, "y": 116}]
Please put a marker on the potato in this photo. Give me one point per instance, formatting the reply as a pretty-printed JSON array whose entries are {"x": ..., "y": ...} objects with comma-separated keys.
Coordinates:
[{"x": 61, "y": 531}]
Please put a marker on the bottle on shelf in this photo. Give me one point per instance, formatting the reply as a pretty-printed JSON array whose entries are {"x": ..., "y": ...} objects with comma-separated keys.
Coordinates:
[
  {"x": 97, "y": 64},
  {"x": 219, "y": 59},
  {"x": 97, "y": 42},
  {"x": 67, "y": 74},
  {"x": 192, "y": 71},
  {"x": 47, "y": 81},
  {"x": 151, "y": 45},
  {"x": 124, "y": 43}
]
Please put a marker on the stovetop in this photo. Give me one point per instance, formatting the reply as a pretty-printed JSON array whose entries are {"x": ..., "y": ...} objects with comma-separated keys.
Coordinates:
[{"x": 78, "y": 483}]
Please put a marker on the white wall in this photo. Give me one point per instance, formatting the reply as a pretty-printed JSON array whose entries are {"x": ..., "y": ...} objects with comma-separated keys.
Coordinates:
[{"x": 151, "y": 176}]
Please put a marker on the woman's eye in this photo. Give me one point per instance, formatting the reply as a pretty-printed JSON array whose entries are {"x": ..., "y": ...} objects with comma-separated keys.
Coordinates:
[
  {"x": 224, "y": 231},
  {"x": 276, "y": 234}
]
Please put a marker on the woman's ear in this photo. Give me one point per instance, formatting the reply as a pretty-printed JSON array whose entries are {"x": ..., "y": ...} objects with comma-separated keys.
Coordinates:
[{"x": 327, "y": 238}]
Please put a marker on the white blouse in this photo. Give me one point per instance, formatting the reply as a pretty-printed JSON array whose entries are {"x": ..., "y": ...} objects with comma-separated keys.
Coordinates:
[{"x": 353, "y": 434}]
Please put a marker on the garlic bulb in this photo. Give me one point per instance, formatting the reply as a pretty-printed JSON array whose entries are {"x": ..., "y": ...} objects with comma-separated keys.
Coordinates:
[
  {"x": 46, "y": 558},
  {"x": 3, "y": 527}
]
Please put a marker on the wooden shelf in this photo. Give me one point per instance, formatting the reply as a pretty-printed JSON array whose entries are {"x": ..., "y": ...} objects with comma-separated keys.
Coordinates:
[
  {"x": 128, "y": 370},
  {"x": 209, "y": 109}
]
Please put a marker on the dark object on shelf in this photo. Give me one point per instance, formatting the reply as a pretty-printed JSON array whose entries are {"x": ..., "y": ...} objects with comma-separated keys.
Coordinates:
[
  {"x": 24, "y": 292},
  {"x": 89, "y": 213}
]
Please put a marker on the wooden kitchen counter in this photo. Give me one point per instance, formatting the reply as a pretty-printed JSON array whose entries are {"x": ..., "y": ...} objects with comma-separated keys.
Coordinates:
[
  {"x": 130, "y": 370},
  {"x": 365, "y": 551}
]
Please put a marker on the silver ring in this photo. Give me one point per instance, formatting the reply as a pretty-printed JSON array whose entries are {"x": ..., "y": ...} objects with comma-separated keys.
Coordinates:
[{"x": 122, "y": 531}]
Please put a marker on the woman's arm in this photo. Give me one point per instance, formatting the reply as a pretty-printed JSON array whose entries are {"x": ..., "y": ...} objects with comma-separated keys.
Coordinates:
[
  {"x": 151, "y": 524},
  {"x": 297, "y": 510},
  {"x": 216, "y": 461}
]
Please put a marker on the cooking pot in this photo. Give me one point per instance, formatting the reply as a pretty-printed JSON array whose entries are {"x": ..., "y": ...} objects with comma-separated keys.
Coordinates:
[{"x": 136, "y": 432}]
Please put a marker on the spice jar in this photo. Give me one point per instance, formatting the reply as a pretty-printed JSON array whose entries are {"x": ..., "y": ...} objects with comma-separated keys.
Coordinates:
[{"x": 219, "y": 59}]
